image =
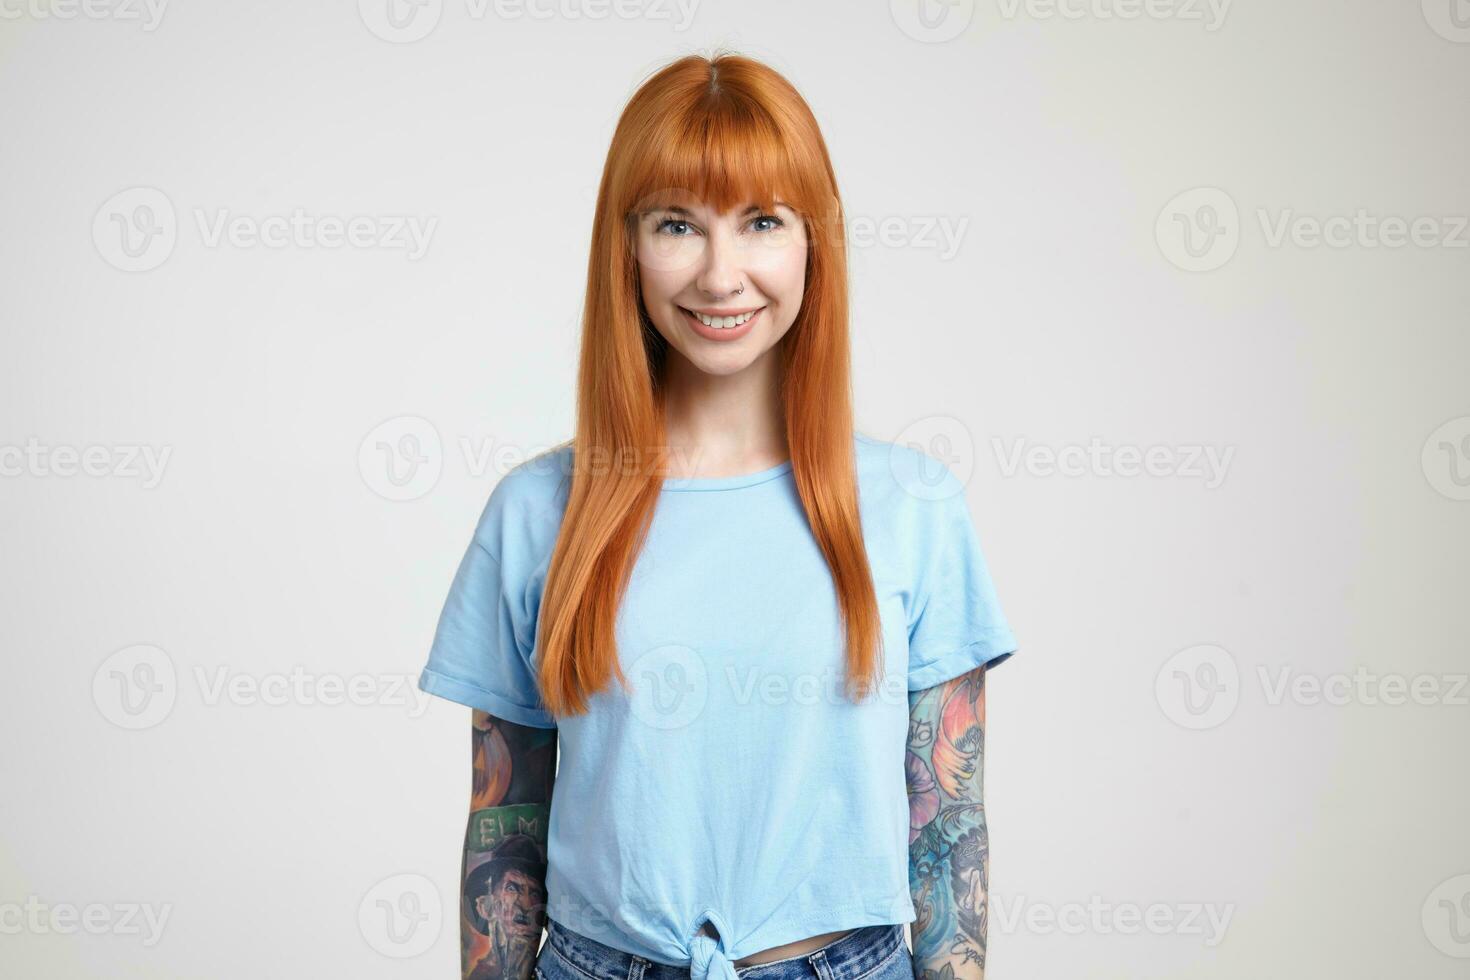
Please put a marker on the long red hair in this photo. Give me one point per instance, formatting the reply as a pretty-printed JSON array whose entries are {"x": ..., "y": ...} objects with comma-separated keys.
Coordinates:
[{"x": 731, "y": 131}]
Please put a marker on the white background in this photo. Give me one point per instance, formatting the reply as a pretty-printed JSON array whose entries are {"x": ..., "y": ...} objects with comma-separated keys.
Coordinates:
[{"x": 1055, "y": 140}]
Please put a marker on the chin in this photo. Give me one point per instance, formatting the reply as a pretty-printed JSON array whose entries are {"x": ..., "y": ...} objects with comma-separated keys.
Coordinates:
[{"x": 722, "y": 366}]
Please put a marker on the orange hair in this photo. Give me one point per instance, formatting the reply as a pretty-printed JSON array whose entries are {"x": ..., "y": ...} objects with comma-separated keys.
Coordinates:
[{"x": 731, "y": 131}]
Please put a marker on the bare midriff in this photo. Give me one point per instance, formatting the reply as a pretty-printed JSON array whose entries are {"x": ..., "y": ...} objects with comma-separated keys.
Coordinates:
[{"x": 797, "y": 948}]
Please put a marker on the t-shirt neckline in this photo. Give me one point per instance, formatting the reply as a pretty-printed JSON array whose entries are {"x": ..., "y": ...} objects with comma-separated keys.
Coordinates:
[{"x": 726, "y": 482}]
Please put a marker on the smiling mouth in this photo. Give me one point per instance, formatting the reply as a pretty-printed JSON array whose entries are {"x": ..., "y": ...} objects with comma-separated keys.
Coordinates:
[{"x": 722, "y": 322}]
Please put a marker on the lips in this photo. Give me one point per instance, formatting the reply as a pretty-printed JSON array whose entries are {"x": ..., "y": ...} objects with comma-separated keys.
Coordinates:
[
  {"x": 723, "y": 321},
  {"x": 723, "y": 334}
]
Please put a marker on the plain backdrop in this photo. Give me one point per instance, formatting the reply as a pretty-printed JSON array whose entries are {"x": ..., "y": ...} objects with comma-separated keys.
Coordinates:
[{"x": 1219, "y": 464}]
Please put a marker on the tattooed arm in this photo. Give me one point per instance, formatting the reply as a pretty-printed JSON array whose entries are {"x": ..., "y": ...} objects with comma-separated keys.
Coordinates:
[
  {"x": 503, "y": 875},
  {"x": 949, "y": 850}
]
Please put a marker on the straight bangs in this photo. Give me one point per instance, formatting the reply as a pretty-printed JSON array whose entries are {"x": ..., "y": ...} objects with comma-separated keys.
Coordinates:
[{"x": 725, "y": 155}]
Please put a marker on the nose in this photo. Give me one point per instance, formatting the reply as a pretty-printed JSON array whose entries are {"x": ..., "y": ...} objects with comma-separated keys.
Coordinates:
[{"x": 720, "y": 273}]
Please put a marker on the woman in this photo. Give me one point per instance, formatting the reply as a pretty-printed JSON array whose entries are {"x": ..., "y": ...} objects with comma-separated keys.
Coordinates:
[{"x": 759, "y": 637}]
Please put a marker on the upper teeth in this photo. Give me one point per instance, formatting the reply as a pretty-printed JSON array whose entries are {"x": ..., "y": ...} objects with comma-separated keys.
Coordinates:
[{"x": 724, "y": 322}]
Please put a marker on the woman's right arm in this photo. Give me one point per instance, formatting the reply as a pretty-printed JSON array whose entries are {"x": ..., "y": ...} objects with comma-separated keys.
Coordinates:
[{"x": 503, "y": 874}]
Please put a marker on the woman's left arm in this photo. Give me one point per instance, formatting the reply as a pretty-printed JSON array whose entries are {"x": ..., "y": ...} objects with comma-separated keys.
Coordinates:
[{"x": 949, "y": 849}]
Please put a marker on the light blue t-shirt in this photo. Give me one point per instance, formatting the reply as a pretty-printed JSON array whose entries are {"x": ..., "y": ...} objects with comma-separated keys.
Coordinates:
[{"x": 734, "y": 783}]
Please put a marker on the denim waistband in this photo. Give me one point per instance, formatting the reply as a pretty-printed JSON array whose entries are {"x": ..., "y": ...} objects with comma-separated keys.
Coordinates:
[{"x": 846, "y": 958}]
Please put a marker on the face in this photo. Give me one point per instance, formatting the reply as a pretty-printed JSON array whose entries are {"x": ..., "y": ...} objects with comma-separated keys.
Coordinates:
[
  {"x": 743, "y": 270},
  {"x": 512, "y": 903}
]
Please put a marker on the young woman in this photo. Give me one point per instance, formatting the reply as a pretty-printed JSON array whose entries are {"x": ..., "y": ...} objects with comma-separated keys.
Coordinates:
[{"x": 758, "y": 636}]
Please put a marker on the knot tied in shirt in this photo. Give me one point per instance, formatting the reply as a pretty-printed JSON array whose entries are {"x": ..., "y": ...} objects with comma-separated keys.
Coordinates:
[{"x": 707, "y": 959}]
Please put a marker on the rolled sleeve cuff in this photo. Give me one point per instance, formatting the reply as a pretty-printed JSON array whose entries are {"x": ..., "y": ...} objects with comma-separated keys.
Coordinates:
[{"x": 461, "y": 692}]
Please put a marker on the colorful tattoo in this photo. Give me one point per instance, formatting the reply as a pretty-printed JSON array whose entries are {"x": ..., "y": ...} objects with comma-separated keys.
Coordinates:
[
  {"x": 504, "y": 871},
  {"x": 949, "y": 849}
]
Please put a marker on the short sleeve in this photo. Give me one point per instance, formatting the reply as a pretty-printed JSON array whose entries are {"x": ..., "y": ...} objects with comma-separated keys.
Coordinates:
[
  {"x": 481, "y": 651},
  {"x": 958, "y": 623}
]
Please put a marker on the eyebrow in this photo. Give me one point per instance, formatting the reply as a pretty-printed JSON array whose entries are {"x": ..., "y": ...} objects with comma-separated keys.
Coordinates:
[{"x": 676, "y": 209}]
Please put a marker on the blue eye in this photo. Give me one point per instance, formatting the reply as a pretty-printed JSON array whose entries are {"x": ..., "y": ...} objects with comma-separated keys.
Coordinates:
[
  {"x": 662, "y": 228},
  {"x": 659, "y": 228}
]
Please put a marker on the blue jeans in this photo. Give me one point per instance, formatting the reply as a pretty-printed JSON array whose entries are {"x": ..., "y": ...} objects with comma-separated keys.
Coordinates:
[{"x": 865, "y": 953}]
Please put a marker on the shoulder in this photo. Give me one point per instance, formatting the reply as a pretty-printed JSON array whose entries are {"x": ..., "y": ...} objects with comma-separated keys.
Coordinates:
[
  {"x": 903, "y": 478},
  {"x": 523, "y": 514}
]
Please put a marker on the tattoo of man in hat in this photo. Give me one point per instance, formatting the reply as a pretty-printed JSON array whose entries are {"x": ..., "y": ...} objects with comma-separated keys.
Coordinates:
[{"x": 504, "y": 897}]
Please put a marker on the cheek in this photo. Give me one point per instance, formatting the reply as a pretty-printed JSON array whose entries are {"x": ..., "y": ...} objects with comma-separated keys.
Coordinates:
[
  {"x": 657, "y": 285},
  {"x": 781, "y": 271}
]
